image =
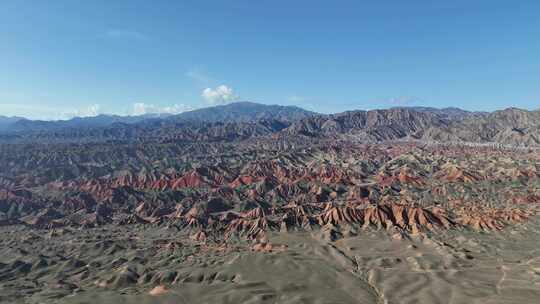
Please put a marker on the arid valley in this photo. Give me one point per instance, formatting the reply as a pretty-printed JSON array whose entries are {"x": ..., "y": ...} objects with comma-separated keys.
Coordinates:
[{"x": 385, "y": 206}]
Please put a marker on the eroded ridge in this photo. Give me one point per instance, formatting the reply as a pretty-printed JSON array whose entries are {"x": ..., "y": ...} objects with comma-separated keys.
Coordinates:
[
  {"x": 404, "y": 187},
  {"x": 160, "y": 220}
]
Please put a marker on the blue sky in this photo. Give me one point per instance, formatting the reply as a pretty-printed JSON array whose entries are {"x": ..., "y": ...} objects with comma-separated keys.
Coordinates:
[{"x": 64, "y": 58}]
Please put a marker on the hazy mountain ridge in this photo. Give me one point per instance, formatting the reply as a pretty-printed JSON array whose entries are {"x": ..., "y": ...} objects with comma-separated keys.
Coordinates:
[
  {"x": 243, "y": 111},
  {"x": 449, "y": 113},
  {"x": 373, "y": 125},
  {"x": 234, "y": 112},
  {"x": 6, "y": 121},
  {"x": 243, "y": 120},
  {"x": 27, "y": 125},
  {"x": 511, "y": 126}
]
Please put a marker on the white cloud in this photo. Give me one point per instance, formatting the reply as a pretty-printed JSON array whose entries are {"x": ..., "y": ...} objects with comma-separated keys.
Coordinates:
[
  {"x": 126, "y": 34},
  {"x": 92, "y": 110},
  {"x": 141, "y": 108},
  {"x": 67, "y": 113},
  {"x": 36, "y": 111},
  {"x": 220, "y": 95},
  {"x": 42, "y": 112}
]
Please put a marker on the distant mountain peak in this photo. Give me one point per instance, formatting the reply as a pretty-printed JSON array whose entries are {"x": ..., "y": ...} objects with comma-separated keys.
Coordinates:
[{"x": 244, "y": 111}]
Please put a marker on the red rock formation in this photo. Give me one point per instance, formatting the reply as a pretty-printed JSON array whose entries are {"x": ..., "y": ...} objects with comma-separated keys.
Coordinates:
[
  {"x": 408, "y": 218},
  {"x": 376, "y": 216},
  {"x": 480, "y": 222},
  {"x": 337, "y": 215},
  {"x": 249, "y": 228},
  {"x": 194, "y": 218},
  {"x": 415, "y": 219},
  {"x": 144, "y": 209},
  {"x": 405, "y": 178},
  {"x": 513, "y": 215},
  {"x": 242, "y": 181},
  {"x": 454, "y": 173},
  {"x": 401, "y": 177},
  {"x": 254, "y": 213},
  {"x": 526, "y": 199},
  {"x": 199, "y": 236},
  {"x": 480, "y": 218},
  {"x": 191, "y": 179},
  {"x": 300, "y": 216}
]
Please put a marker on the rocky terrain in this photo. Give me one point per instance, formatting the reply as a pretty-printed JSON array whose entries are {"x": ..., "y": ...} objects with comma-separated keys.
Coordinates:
[
  {"x": 384, "y": 206},
  {"x": 512, "y": 127},
  {"x": 243, "y": 120},
  {"x": 234, "y": 112}
]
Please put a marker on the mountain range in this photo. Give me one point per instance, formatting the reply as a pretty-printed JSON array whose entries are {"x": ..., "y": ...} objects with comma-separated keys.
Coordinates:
[
  {"x": 510, "y": 126},
  {"x": 234, "y": 112},
  {"x": 95, "y": 207},
  {"x": 244, "y": 120}
]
